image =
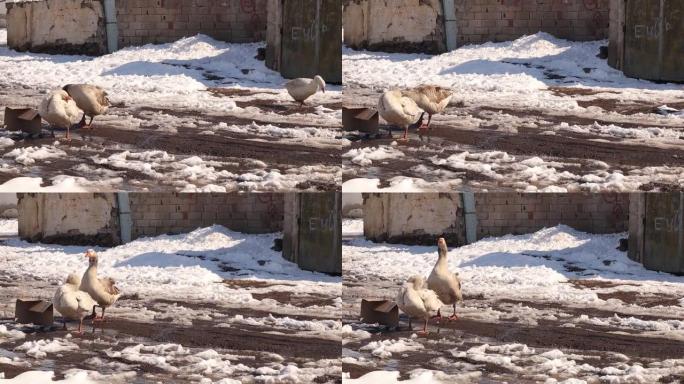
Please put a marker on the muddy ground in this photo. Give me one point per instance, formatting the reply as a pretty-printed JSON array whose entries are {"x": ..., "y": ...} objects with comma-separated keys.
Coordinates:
[
  {"x": 233, "y": 152},
  {"x": 523, "y": 133},
  {"x": 599, "y": 346},
  {"x": 249, "y": 345}
]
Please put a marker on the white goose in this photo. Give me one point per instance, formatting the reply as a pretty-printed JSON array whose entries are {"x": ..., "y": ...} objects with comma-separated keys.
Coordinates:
[
  {"x": 398, "y": 109},
  {"x": 446, "y": 284},
  {"x": 430, "y": 98},
  {"x": 416, "y": 300},
  {"x": 73, "y": 303},
  {"x": 302, "y": 88},
  {"x": 59, "y": 110},
  {"x": 90, "y": 98},
  {"x": 102, "y": 290}
]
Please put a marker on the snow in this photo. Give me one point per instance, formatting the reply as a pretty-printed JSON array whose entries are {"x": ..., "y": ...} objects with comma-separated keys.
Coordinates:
[
  {"x": 40, "y": 349},
  {"x": 366, "y": 156},
  {"x": 505, "y": 73},
  {"x": 34, "y": 184},
  {"x": 373, "y": 185},
  {"x": 168, "y": 266},
  {"x": 34, "y": 377},
  {"x": 29, "y": 155},
  {"x": 165, "y": 88},
  {"x": 510, "y": 86},
  {"x": 385, "y": 348},
  {"x": 538, "y": 276},
  {"x": 392, "y": 377},
  {"x": 352, "y": 227},
  {"x": 184, "y": 279},
  {"x": 10, "y": 334}
]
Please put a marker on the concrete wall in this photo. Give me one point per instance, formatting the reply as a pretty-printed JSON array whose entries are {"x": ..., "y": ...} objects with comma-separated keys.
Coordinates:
[
  {"x": 397, "y": 25},
  {"x": 420, "y": 218},
  {"x": 78, "y": 26},
  {"x": 501, "y": 214},
  {"x": 84, "y": 218},
  {"x": 480, "y": 21},
  {"x": 417, "y": 25},
  {"x": 616, "y": 34},
  {"x": 57, "y": 26},
  {"x": 413, "y": 218},
  {"x": 94, "y": 218},
  {"x": 3, "y": 14},
  {"x": 159, "y": 213},
  {"x": 160, "y": 21}
]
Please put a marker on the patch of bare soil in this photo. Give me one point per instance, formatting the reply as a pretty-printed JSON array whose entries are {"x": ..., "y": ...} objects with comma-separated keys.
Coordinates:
[{"x": 574, "y": 91}]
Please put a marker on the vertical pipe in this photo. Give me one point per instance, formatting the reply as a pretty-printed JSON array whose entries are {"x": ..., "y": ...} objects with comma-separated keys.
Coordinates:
[
  {"x": 470, "y": 217},
  {"x": 111, "y": 26},
  {"x": 317, "y": 58},
  {"x": 680, "y": 235},
  {"x": 450, "y": 24},
  {"x": 661, "y": 39},
  {"x": 125, "y": 222}
]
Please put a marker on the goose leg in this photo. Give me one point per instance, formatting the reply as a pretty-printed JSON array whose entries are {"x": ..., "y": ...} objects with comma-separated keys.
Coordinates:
[
  {"x": 64, "y": 323},
  {"x": 90, "y": 124},
  {"x": 101, "y": 318},
  {"x": 82, "y": 122},
  {"x": 438, "y": 316},
  {"x": 80, "y": 327},
  {"x": 68, "y": 135},
  {"x": 405, "y": 138},
  {"x": 424, "y": 332},
  {"x": 454, "y": 316}
]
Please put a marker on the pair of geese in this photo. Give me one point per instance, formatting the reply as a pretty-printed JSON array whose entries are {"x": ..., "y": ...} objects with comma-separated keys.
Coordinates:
[
  {"x": 406, "y": 108},
  {"x": 420, "y": 298},
  {"x": 62, "y": 108},
  {"x": 78, "y": 297}
]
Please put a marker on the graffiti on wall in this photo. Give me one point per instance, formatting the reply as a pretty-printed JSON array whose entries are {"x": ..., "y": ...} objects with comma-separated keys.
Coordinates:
[
  {"x": 667, "y": 223},
  {"x": 322, "y": 224}
]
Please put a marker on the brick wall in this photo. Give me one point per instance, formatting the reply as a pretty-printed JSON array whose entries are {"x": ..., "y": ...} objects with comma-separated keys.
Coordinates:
[
  {"x": 501, "y": 20},
  {"x": 420, "y": 218},
  {"x": 162, "y": 21},
  {"x": 500, "y": 214},
  {"x": 158, "y": 213}
]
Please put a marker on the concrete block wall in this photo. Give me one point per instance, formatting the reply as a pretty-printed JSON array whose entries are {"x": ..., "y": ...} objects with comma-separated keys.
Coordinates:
[
  {"x": 159, "y": 213},
  {"x": 480, "y": 21},
  {"x": 417, "y": 25},
  {"x": 419, "y": 218},
  {"x": 516, "y": 213},
  {"x": 161, "y": 21}
]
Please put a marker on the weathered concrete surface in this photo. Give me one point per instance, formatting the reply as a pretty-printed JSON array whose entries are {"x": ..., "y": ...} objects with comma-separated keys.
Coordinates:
[
  {"x": 412, "y": 218},
  {"x": 57, "y": 26},
  {"x": 3, "y": 14},
  {"x": 312, "y": 231},
  {"x": 68, "y": 218},
  {"x": 400, "y": 25}
]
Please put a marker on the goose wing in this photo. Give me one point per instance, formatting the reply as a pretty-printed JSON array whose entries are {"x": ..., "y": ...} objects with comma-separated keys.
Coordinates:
[{"x": 109, "y": 285}]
